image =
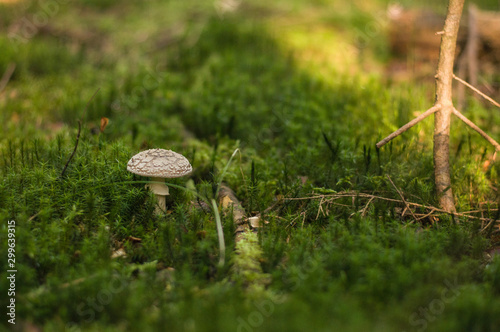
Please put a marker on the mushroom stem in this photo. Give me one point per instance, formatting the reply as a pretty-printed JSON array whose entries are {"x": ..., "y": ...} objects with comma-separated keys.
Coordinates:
[
  {"x": 159, "y": 164},
  {"x": 161, "y": 191},
  {"x": 161, "y": 206}
]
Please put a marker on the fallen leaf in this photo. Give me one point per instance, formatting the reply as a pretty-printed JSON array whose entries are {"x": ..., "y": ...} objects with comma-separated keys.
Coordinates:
[{"x": 104, "y": 123}]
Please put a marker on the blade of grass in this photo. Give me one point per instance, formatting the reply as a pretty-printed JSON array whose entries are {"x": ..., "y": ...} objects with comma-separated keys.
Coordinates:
[
  {"x": 224, "y": 171},
  {"x": 220, "y": 234}
]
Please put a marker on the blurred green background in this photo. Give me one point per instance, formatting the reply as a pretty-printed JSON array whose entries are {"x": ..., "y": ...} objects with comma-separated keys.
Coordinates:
[{"x": 304, "y": 90}]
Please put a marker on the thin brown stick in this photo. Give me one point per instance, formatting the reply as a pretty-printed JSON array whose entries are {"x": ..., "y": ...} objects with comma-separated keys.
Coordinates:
[
  {"x": 330, "y": 202},
  {"x": 404, "y": 211},
  {"x": 402, "y": 197},
  {"x": 363, "y": 213},
  {"x": 78, "y": 134},
  {"x": 479, "y": 211},
  {"x": 278, "y": 201},
  {"x": 426, "y": 215},
  {"x": 491, "y": 100},
  {"x": 6, "y": 76},
  {"x": 476, "y": 128},
  {"x": 34, "y": 216},
  {"x": 488, "y": 225},
  {"x": 363, "y": 195},
  {"x": 292, "y": 223},
  {"x": 410, "y": 124},
  {"x": 74, "y": 150},
  {"x": 320, "y": 208}
]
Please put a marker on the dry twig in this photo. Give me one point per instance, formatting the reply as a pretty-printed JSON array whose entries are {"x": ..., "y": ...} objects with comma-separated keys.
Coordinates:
[
  {"x": 410, "y": 124},
  {"x": 487, "y": 225},
  {"x": 402, "y": 197},
  {"x": 320, "y": 209},
  {"x": 491, "y": 100},
  {"x": 363, "y": 212},
  {"x": 423, "y": 216},
  {"x": 78, "y": 134},
  {"x": 476, "y": 128},
  {"x": 364, "y": 195}
]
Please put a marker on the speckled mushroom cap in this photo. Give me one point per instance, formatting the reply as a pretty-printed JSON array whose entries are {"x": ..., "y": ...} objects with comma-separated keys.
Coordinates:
[{"x": 159, "y": 163}]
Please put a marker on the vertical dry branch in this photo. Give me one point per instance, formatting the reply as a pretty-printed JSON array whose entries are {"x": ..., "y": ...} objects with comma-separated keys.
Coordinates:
[
  {"x": 443, "y": 107},
  {"x": 442, "y": 118},
  {"x": 78, "y": 133}
]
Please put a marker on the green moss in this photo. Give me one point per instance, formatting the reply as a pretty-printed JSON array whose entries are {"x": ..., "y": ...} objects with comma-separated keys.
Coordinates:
[
  {"x": 246, "y": 268},
  {"x": 184, "y": 76}
]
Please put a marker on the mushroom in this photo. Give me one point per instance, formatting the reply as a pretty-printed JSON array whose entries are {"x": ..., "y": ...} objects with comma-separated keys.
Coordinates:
[{"x": 159, "y": 164}]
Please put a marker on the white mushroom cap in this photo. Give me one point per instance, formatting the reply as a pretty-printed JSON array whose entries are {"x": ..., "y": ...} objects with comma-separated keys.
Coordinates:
[{"x": 159, "y": 163}]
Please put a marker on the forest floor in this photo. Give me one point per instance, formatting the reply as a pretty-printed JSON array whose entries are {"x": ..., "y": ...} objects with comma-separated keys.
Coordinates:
[{"x": 282, "y": 102}]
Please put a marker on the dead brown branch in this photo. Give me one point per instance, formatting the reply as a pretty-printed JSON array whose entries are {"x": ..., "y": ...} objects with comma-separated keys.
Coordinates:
[
  {"x": 423, "y": 216},
  {"x": 476, "y": 128},
  {"x": 363, "y": 212},
  {"x": 410, "y": 124},
  {"x": 328, "y": 198},
  {"x": 491, "y": 100},
  {"x": 443, "y": 107},
  {"x": 487, "y": 225},
  {"x": 320, "y": 209},
  {"x": 78, "y": 134},
  {"x": 402, "y": 197}
]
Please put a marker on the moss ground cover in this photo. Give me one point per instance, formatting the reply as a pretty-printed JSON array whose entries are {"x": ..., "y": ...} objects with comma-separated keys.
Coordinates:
[{"x": 299, "y": 88}]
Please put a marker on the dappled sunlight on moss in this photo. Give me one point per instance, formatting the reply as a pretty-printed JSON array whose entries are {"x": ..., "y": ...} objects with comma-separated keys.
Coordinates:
[{"x": 298, "y": 88}]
